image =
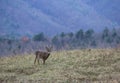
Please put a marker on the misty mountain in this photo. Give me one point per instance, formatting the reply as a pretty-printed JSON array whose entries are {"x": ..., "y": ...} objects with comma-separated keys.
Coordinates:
[
  {"x": 108, "y": 8},
  {"x": 29, "y": 17}
]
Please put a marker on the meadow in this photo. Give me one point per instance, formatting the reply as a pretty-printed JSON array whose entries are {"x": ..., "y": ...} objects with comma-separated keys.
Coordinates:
[{"x": 73, "y": 66}]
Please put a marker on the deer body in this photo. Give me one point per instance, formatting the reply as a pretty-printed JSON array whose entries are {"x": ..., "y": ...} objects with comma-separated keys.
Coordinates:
[{"x": 42, "y": 55}]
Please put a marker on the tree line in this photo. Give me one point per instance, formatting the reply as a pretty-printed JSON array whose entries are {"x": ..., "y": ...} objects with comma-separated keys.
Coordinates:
[
  {"x": 72, "y": 40},
  {"x": 83, "y": 39}
]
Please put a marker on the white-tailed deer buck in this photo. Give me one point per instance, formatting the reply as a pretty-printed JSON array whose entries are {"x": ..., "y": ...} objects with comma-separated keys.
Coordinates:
[{"x": 42, "y": 55}]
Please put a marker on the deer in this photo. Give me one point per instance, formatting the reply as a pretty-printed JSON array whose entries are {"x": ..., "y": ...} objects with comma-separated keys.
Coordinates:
[{"x": 42, "y": 55}]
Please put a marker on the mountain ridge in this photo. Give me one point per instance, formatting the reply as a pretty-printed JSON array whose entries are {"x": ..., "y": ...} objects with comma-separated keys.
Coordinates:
[{"x": 29, "y": 17}]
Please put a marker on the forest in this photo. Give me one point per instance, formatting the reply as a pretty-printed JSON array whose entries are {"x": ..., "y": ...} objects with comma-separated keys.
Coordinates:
[{"x": 81, "y": 39}]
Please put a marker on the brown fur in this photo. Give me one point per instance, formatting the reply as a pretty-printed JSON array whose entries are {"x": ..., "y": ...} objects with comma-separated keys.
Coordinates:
[{"x": 42, "y": 55}]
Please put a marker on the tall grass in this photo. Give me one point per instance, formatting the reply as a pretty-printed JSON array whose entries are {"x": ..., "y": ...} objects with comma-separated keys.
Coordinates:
[{"x": 75, "y": 66}]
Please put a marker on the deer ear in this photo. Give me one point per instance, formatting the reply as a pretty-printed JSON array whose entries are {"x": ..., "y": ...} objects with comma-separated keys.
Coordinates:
[
  {"x": 47, "y": 48},
  {"x": 51, "y": 47}
]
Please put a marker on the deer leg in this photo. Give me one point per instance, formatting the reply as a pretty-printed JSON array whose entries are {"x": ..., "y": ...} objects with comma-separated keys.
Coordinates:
[
  {"x": 35, "y": 59},
  {"x": 43, "y": 61},
  {"x": 38, "y": 61}
]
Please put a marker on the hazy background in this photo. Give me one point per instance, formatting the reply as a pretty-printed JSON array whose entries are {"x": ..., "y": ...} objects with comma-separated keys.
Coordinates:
[
  {"x": 29, "y": 17},
  {"x": 25, "y": 25}
]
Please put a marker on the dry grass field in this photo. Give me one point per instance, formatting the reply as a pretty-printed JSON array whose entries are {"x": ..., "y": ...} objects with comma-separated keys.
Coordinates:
[{"x": 75, "y": 66}]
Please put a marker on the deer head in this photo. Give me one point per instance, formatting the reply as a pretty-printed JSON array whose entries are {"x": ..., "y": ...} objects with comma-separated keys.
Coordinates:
[{"x": 49, "y": 49}]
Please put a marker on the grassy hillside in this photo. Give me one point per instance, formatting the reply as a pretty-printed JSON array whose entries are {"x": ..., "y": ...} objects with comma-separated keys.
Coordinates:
[{"x": 74, "y": 66}]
